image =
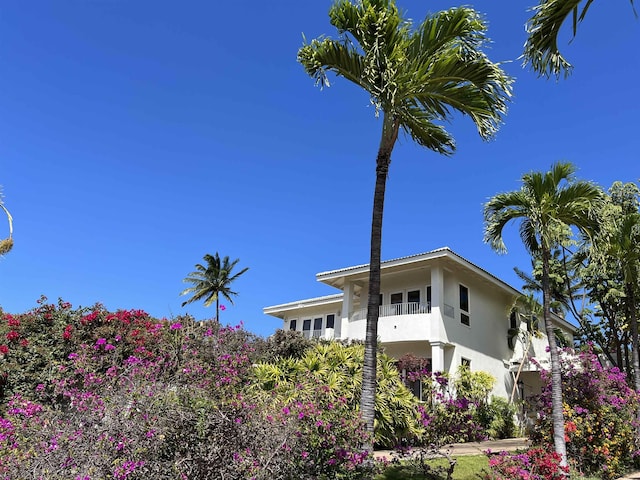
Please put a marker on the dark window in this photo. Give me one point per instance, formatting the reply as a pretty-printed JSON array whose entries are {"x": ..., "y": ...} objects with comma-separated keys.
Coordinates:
[
  {"x": 317, "y": 327},
  {"x": 293, "y": 324},
  {"x": 464, "y": 298},
  {"x": 513, "y": 320},
  {"x": 465, "y": 362},
  {"x": 464, "y": 305},
  {"x": 413, "y": 296},
  {"x": 429, "y": 298},
  {"x": 330, "y": 321},
  {"x": 306, "y": 328},
  {"x": 396, "y": 299},
  {"x": 380, "y": 299}
]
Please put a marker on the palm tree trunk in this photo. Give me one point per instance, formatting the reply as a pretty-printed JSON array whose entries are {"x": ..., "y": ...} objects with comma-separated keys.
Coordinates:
[
  {"x": 557, "y": 414},
  {"x": 635, "y": 358},
  {"x": 369, "y": 368}
]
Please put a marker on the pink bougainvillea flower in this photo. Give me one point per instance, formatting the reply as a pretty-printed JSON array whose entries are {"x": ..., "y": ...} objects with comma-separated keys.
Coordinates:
[
  {"x": 4, "y": 349},
  {"x": 222, "y": 308},
  {"x": 175, "y": 326}
]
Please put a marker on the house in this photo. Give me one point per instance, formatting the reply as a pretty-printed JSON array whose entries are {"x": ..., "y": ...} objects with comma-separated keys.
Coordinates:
[{"x": 435, "y": 305}]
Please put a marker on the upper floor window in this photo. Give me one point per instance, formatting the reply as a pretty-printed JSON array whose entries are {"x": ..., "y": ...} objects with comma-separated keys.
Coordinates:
[
  {"x": 331, "y": 319},
  {"x": 464, "y": 306},
  {"x": 306, "y": 328},
  {"x": 293, "y": 324},
  {"x": 317, "y": 327},
  {"x": 465, "y": 362}
]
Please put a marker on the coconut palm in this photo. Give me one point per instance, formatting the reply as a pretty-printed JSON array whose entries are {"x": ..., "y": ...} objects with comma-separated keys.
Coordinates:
[
  {"x": 415, "y": 78},
  {"x": 211, "y": 281},
  {"x": 547, "y": 206},
  {"x": 541, "y": 48}
]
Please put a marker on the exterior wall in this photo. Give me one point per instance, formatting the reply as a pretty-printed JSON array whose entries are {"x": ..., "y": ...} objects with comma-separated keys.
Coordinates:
[{"x": 311, "y": 314}]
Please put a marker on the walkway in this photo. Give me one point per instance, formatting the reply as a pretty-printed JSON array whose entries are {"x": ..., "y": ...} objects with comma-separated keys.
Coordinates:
[
  {"x": 474, "y": 448},
  {"x": 479, "y": 448}
]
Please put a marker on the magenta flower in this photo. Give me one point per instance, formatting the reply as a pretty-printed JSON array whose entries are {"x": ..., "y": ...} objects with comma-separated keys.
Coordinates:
[{"x": 175, "y": 326}]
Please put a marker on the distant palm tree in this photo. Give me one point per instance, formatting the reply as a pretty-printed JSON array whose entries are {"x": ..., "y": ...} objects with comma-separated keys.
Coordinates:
[
  {"x": 6, "y": 244},
  {"x": 417, "y": 78},
  {"x": 212, "y": 280},
  {"x": 541, "y": 48},
  {"x": 547, "y": 206}
]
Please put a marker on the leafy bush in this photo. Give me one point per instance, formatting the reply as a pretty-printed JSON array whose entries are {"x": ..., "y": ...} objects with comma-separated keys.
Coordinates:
[
  {"x": 599, "y": 411},
  {"x": 497, "y": 417},
  {"x": 339, "y": 368}
]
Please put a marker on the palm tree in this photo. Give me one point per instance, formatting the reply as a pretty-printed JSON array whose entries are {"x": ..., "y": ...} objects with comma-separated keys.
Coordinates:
[
  {"x": 6, "y": 244},
  {"x": 415, "y": 77},
  {"x": 212, "y": 280},
  {"x": 541, "y": 48},
  {"x": 624, "y": 247},
  {"x": 547, "y": 206}
]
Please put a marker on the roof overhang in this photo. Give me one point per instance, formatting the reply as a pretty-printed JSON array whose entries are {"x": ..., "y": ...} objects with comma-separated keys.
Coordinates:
[
  {"x": 281, "y": 311},
  {"x": 359, "y": 274}
]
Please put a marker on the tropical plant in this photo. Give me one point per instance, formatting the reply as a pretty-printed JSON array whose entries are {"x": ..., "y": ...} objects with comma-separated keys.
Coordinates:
[
  {"x": 6, "y": 244},
  {"x": 541, "y": 48},
  {"x": 416, "y": 78},
  {"x": 211, "y": 281},
  {"x": 547, "y": 206},
  {"x": 338, "y": 369}
]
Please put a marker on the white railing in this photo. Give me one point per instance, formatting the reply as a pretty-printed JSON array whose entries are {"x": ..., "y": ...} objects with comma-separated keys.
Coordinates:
[{"x": 411, "y": 308}]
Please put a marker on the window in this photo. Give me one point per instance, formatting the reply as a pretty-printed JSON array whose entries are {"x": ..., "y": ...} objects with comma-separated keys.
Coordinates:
[
  {"x": 429, "y": 298},
  {"x": 465, "y": 362},
  {"x": 331, "y": 321},
  {"x": 413, "y": 302},
  {"x": 464, "y": 305},
  {"x": 306, "y": 328},
  {"x": 317, "y": 327},
  {"x": 396, "y": 299},
  {"x": 293, "y": 324},
  {"x": 513, "y": 320}
]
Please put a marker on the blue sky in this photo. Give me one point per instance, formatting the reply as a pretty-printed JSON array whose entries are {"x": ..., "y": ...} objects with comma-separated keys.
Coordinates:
[{"x": 136, "y": 136}]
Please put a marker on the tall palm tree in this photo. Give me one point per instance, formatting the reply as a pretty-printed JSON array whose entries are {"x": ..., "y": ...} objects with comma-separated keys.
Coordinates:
[
  {"x": 547, "y": 206},
  {"x": 415, "y": 77},
  {"x": 541, "y": 48},
  {"x": 211, "y": 281},
  {"x": 624, "y": 248}
]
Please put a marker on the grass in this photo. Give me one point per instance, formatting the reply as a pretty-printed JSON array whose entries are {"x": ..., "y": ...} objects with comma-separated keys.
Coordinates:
[{"x": 467, "y": 468}]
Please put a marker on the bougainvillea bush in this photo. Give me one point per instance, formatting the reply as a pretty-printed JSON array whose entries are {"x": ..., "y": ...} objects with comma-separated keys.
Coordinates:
[
  {"x": 129, "y": 397},
  {"x": 534, "y": 464},
  {"x": 599, "y": 411}
]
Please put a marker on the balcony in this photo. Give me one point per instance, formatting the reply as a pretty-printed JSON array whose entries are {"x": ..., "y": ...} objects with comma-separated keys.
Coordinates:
[{"x": 411, "y": 308}]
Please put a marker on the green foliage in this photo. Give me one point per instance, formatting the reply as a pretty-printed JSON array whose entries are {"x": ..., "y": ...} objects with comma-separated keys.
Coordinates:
[
  {"x": 283, "y": 344},
  {"x": 498, "y": 418},
  {"x": 473, "y": 386},
  {"x": 338, "y": 367}
]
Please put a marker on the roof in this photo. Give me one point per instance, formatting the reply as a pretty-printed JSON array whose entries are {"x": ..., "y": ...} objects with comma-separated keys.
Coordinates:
[{"x": 336, "y": 278}]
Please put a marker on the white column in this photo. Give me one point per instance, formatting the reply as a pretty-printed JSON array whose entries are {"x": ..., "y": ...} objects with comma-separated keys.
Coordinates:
[
  {"x": 342, "y": 330},
  {"x": 437, "y": 304},
  {"x": 437, "y": 356}
]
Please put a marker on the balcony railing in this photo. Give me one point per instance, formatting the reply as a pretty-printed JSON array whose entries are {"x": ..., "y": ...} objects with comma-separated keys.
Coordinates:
[{"x": 411, "y": 308}]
